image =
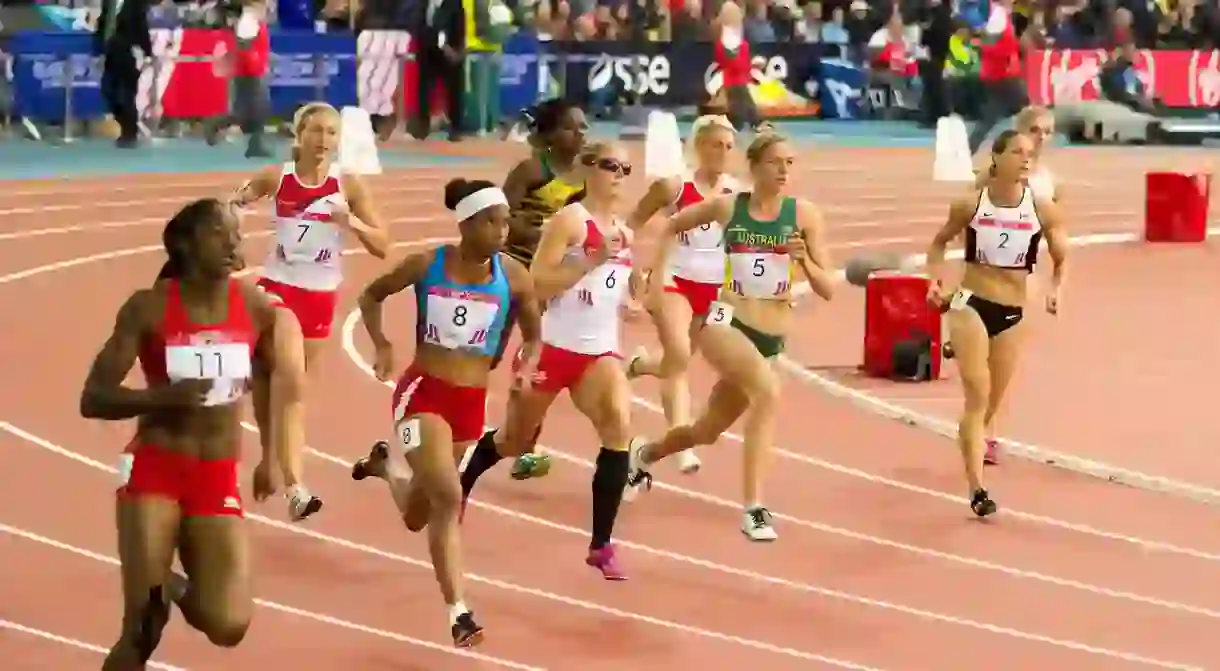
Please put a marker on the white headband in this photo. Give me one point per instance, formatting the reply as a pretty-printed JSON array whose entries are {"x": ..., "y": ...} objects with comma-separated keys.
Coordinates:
[{"x": 478, "y": 201}]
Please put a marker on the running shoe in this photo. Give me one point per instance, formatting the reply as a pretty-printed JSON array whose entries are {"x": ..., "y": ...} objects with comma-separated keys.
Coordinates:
[
  {"x": 466, "y": 632},
  {"x": 367, "y": 467},
  {"x": 302, "y": 504},
  {"x": 605, "y": 561},
  {"x": 688, "y": 462},
  {"x": 992, "y": 456},
  {"x": 531, "y": 465},
  {"x": 757, "y": 525},
  {"x": 639, "y": 480},
  {"x": 981, "y": 503}
]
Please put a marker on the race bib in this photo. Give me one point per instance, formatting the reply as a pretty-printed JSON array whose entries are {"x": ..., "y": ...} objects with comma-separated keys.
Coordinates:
[
  {"x": 305, "y": 242},
  {"x": 408, "y": 434},
  {"x": 227, "y": 365},
  {"x": 759, "y": 275},
  {"x": 719, "y": 314},
  {"x": 960, "y": 299},
  {"x": 459, "y": 322},
  {"x": 127, "y": 461}
]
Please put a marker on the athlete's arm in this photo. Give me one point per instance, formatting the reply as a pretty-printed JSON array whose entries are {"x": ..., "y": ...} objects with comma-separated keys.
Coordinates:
[
  {"x": 1054, "y": 232},
  {"x": 281, "y": 347},
  {"x": 660, "y": 194},
  {"x": 364, "y": 220},
  {"x": 816, "y": 264},
  {"x": 552, "y": 273},
  {"x": 104, "y": 395},
  {"x": 408, "y": 271},
  {"x": 263, "y": 184},
  {"x": 529, "y": 318},
  {"x": 702, "y": 214},
  {"x": 961, "y": 211},
  {"x": 523, "y": 224}
]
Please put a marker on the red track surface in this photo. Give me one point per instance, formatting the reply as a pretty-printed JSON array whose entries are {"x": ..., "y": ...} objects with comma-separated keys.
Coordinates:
[{"x": 878, "y": 566}]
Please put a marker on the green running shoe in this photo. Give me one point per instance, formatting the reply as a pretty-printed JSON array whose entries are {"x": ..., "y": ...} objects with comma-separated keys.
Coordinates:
[{"x": 529, "y": 466}]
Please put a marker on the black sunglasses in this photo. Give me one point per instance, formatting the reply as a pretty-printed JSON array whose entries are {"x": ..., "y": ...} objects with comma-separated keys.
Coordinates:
[{"x": 610, "y": 165}]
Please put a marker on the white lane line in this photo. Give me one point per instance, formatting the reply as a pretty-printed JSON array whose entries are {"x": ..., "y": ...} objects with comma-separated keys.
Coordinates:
[
  {"x": 838, "y": 468},
  {"x": 270, "y": 605},
  {"x": 72, "y": 642},
  {"x": 1071, "y": 462},
  {"x": 506, "y": 586}
]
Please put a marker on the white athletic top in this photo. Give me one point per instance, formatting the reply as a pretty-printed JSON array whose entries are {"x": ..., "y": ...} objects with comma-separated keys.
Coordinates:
[
  {"x": 1004, "y": 237},
  {"x": 585, "y": 318},
  {"x": 1043, "y": 183},
  {"x": 699, "y": 254},
  {"x": 307, "y": 246}
]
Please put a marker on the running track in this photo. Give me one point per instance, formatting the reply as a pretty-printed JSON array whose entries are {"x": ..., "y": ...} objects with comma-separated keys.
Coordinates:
[{"x": 878, "y": 565}]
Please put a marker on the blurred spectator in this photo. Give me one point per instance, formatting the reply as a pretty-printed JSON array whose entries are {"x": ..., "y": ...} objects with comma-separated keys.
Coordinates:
[
  {"x": 441, "y": 30},
  {"x": 892, "y": 55},
  {"x": 1001, "y": 72}
]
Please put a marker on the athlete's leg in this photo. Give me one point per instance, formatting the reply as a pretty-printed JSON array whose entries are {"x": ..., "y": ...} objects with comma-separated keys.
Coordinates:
[
  {"x": 674, "y": 320},
  {"x": 603, "y": 395},
  {"x": 215, "y": 554},
  {"x": 1002, "y": 364},
  {"x": 972, "y": 348},
  {"x": 735, "y": 358},
  {"x": 522, "y": 421},
  {"x": 148, "y": 535}
]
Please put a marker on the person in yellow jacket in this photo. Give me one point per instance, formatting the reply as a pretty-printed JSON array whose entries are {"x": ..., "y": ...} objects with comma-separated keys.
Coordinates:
[{"x": 962, "y": 72}]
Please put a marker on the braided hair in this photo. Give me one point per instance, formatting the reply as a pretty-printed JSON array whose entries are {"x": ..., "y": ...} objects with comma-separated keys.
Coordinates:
[{"x": 179, "y": 233}]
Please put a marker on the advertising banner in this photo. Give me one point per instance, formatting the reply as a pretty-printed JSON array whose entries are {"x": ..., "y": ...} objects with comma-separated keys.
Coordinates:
[{"x": 1184, "y": 79}]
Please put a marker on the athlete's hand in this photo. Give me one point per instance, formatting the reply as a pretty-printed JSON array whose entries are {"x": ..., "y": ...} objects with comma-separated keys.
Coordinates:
[
  {"x": 183, "y": 394},
  {"x": 609, "y": 248},
  {"x": 265, "y": 485},
  {"x": 797, "y": 251},
  {"x": 1052, "y": 301},
  {"x": 937, "y": 298},
  {"x": 527, "y": 358},
  {"x": 383, "y": 362},
  {"x": 341, "y": 213}
]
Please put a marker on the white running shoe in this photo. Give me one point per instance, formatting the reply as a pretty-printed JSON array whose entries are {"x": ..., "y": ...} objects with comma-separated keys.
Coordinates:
[
  {"x": 688, "y": 462},
  {"x": 757, "y": 525},
  {"x": 301, "y": 503},
  {"x": 639, "y": 479}
]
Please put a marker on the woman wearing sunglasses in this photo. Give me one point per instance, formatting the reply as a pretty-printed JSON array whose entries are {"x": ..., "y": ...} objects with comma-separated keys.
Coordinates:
[
  {"x": 678, "y": 297},
  {"x": 769, "y": 237},
  {"x": 582, "y": 270}
]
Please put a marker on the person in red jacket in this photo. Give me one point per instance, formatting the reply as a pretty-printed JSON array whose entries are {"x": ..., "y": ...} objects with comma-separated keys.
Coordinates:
[
  {"x": 1001, "y": 73},
  {"x": 247, "y": 59}
]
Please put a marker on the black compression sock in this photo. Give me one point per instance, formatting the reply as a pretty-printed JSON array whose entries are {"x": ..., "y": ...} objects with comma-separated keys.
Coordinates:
[
  {"x": 613, "y": 469},
  {"x": 482, "y": 460}
]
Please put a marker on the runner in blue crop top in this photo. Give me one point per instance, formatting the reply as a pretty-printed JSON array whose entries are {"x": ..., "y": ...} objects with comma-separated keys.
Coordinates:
[{"x": 462, "y": 296}]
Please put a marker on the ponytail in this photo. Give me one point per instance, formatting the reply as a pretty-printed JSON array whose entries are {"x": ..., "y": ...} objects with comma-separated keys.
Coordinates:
[{"x": 171, "y": 269}]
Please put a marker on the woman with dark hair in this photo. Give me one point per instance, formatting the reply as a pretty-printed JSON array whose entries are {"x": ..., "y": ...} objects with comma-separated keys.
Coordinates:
[
  {"x": 536, "y": 188},
  {"x": 462, "y": 295},
  {"x": 196, "y": 333},
  {"x": 1003, "y": 221}
]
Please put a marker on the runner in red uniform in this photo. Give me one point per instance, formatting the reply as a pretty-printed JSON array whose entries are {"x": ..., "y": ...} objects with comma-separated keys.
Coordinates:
[
  {"x": 196, "y": 333},
  {"x": 692, "y": 270},
  {"x": 316, "y": 205}
]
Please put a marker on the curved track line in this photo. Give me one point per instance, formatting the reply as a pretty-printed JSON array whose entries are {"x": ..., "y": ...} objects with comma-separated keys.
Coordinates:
[
  {"x": 838, "y": 468},
  {"x": 72, "y": 642},
  {"x": 348, "y": 344},
  {"x": 270, "y": 605},
  {"x": 1097, "y": 469}
]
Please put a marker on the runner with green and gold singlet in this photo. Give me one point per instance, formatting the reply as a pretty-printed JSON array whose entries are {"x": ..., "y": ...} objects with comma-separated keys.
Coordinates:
[{"x": 770, "y": 238}]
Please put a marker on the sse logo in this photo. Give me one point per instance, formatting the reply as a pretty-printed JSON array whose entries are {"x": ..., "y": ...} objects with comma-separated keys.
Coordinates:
[{"x": 638, "y": 73}]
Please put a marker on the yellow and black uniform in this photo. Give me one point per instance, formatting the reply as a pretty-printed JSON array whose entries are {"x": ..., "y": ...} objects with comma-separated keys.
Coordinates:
[{"x": 541, "y": 202}]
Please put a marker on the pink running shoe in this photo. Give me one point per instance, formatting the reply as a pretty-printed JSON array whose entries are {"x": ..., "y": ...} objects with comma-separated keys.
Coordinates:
[
  {"x": 992, "y": 456},
  {"x": 604, "y": 561}
]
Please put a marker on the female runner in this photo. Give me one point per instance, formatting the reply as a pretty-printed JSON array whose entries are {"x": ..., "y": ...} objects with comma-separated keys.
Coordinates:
[
  {"x": 679, "y": 297},
  {"x": 582, "y": 269},
  {"x": 463, "y": 294},
  {"x": 315, "y": 203},
  {"x": 1038, "y": 124},
  {"x": 1003, "y": 223},
  {"x": 537, "y": 188},
  {"x": 195, "y": 333},
  {"x": 768, "y": 236}
]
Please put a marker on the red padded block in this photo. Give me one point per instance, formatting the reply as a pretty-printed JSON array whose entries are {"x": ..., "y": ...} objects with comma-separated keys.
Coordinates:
[
  {"x": 896, "y": 308},
  {"x": 1176, "y": 207}
]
